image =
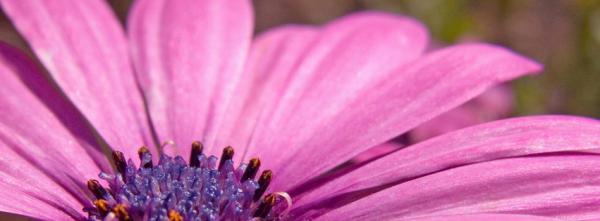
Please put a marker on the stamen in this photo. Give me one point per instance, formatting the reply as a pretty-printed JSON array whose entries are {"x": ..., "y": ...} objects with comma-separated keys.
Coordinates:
[
  {"x": 145, "y": 157},
  {"x": 196, "y": 151},
  {"x": 175, "y": 216},
  {"x": 263, "y": 183},
  {"x": 121, "y": 213},
  {"x": 227, "y": 155},
  {"x": 120, "y": 162},
  {"x": 205, "y": 188},
  {"x": 251, "y": 170},
  {"x": 102, "y": 206},
  {"x": 97, "y": 189},
  {"x": 265, "y": 206}
]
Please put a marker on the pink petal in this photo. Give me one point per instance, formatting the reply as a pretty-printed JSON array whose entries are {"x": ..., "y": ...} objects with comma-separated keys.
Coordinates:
[
  {"x": 189, "y": 56},
  {"x": 496, "y": 140},
  {"x": 564, "y": 186},
  {"x": 28, "y": 191},
  {"x": 482, "y": 217},
  {"x": 333, "y": 69},
  {"x": 357, "y": 162},
  {"x": 494, "y": 104},
  {"x": 83, "y": 47},
  {"x": 377, "y": 152},
  {"x": 391, "y": 106},
  {"x": 47, "y": 149},
  {"x": 272, "y": 59}
]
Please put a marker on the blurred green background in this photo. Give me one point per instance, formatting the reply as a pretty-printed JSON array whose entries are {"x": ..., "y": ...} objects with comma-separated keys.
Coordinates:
[{"x": 562, "y": 34}]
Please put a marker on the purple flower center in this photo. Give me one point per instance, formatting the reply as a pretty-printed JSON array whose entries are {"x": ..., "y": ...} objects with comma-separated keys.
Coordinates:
[{"x": 205, "y": 189}]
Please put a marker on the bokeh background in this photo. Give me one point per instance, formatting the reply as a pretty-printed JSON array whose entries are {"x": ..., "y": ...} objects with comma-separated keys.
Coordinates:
[{"x": 564, "y": 35}]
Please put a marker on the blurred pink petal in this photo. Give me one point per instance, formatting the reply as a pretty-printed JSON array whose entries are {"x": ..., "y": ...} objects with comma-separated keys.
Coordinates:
[
  {"x": 83, "y": 47},
  {"x": 189, "y": 64}
]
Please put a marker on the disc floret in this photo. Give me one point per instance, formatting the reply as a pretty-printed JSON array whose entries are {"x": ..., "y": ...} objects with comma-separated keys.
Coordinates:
[{"x": 208, "y": 188}]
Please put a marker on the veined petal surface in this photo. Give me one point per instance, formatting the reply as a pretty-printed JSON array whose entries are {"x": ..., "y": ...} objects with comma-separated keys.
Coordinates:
[
  {"x": 189, "y": 57},
  {"x": 83, "y": 46},
  {"x": 491, "y": 141},
  {"x": 47, "y": 148},
  {"x": 273, "y": 57},
  {"x": 562, "y": 186},
  {"x": 409, "y": 95},
  {"x": 332, "y": 69}
]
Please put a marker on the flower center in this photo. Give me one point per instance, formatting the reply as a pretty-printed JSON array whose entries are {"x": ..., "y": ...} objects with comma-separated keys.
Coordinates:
[{"x": 174, "y": 190}]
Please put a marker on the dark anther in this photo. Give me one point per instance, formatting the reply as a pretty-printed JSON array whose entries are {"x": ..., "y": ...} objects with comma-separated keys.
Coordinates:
[
  {"x": 175, "y": 216},
  {"x": 120, "y": 162},
  {"x": 143, "y": 151},
  {"x": 102, "y": 207},
  {"x": 121, "y": 213},
  {"x": 97, "y": 189},
  {"x": 263, "y": 183},
  {"x": 251, "y": 170},
  {"x": 196, "y": 151},
  {"x": 227, "y": 155},
  {"x": 265, "y": 206}
]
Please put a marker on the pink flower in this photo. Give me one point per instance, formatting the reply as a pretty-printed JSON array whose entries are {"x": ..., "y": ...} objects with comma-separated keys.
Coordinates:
[{"x": 304, "y": 99}]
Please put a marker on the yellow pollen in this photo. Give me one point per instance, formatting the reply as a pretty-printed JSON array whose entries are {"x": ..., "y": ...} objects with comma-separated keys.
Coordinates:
[
  {"x": 120, "y": 212},
  {"x": 175, "y": 216}
]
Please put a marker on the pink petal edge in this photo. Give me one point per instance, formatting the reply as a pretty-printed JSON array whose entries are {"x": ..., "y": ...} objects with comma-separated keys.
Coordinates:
[
  {"x": 482, "y": 217},
  {"x": 496, "y": 103},
  {"x": 560, "y": 186},
  {"x": 409, "y": 96},
  {"x": 332, "y": 70},
  {"x": 495, "y": 140}
]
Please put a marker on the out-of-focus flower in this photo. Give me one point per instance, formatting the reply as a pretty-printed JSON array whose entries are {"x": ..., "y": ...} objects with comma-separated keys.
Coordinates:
[{"x": 304, "y": 99}]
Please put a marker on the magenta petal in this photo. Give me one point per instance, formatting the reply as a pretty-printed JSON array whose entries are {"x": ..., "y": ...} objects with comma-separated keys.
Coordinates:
[
  {"x": 271, "y": 63},
  {"x": 333, "y": 69},
  {"x": 496, "y": 140},
  {"x": 83, "y": 46},
  {"x": 404, "y": 99},
  {"x": 481, "y": 217},
  {"x": 189, "y": 56},
  {"x": 377, "y": 152},
  {"x": 494, "y": 104},
  {"x": 564, "y": 186},
  {"x": 47, "y": 148},
  {"x": 28, "y": 191}
]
